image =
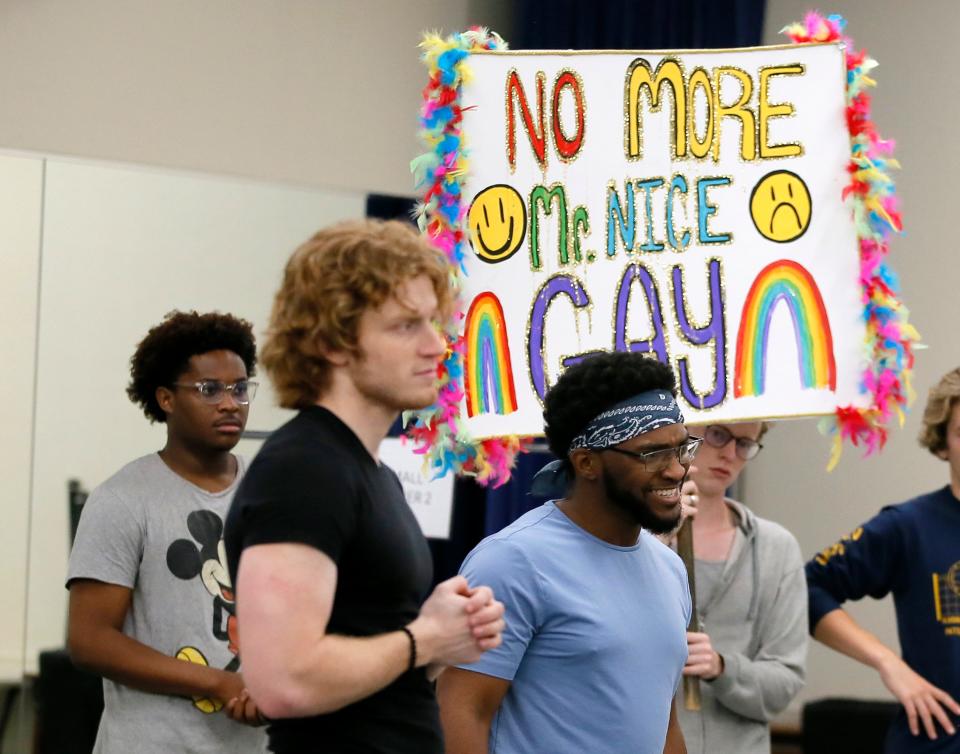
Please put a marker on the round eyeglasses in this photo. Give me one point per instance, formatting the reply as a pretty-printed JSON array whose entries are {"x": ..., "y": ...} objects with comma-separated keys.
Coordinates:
[
  {"x": 717, "y": 437},
  {"x": 658, "y": 460},
  {"x": 213, "y": 391}
]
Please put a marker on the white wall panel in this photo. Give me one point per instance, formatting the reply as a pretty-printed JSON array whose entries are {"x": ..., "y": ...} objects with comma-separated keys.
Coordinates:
[
  {"x": 123, "y": 246},
  {"x": 21, "y": 191}
]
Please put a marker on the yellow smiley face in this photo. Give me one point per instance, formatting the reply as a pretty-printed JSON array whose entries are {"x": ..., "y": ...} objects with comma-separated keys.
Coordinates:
[
  {"x": 780, "y": 206},
  {"x": 498, "y": 222}
]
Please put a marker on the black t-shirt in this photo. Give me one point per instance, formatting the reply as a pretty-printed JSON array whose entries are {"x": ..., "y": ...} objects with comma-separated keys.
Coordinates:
[{"x": 314, "y": 483}]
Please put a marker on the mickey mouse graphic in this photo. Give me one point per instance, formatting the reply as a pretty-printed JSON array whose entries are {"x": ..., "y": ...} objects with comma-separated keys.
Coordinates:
[{"x": 208, "y": 561}]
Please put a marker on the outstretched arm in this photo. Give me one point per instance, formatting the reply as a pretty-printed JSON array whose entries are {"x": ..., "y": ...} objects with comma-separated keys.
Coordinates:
[{"x": 923, "y": 702}]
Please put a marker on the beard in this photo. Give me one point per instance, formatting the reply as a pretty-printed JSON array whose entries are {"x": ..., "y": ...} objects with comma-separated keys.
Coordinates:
[
  {"x": 382, "y": 389},
  {"x": 637, "y": 507}
]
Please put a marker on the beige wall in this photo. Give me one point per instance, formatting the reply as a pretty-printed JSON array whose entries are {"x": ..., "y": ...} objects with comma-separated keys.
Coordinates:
[
  {"x": 914, "y": 102},
  {"x": 20, "y": 220},
  {"x": 320, "y": 92}
]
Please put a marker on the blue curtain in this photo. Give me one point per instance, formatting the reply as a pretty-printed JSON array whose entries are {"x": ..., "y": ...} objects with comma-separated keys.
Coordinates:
[
  {"x": 637, "y": 24},
  {"x": 507, "y": 503}
]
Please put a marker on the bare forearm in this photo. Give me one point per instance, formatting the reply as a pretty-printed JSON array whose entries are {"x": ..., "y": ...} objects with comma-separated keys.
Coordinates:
[
  {"x": 294, "y": 668},
  {"x": 927, "y": 707},
  {"x": 467, "y": 745},
  {"x": 334, "y": 672},
  {"x": 468, "y": 704},
  {"x": 464, "y": 733},
  {"x": 839, "y": 631},
  {"x": 114, "y": 655}
]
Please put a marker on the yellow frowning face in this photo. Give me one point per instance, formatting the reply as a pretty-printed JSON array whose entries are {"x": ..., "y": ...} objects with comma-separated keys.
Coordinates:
[
  {"x": 780, "y": 206},
  {"x": 498, "y": 222}
]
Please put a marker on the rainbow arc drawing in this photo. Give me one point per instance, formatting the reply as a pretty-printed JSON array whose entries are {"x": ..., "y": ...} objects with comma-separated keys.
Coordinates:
[
  {"x": 488, "y": 374},
  {"x": 784, "y": 282}
]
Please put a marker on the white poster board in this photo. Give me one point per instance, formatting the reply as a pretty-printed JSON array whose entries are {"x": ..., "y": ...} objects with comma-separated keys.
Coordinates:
[
  {"x": 431, "y": 500},
  {"x": 687, "y": 205}
]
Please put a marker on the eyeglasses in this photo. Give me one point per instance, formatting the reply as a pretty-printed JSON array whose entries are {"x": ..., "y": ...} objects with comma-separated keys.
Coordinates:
[
  {"x": 718, "y": 437},
  {"x": 658, "y": 460},
  {"x": 212, "y": 391}
]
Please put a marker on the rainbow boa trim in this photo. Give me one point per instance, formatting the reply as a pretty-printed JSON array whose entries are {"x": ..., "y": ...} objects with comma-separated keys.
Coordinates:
[
  {"x": 437, "y": 432},
  {"x": 890, "y": 338}
]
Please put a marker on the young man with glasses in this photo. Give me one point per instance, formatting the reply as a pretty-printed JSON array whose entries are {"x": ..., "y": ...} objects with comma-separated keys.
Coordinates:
[
  {"x": 151, "y": 601},
  {"x": 750, "y": 647},
  {"x": 597, "y": 606}
]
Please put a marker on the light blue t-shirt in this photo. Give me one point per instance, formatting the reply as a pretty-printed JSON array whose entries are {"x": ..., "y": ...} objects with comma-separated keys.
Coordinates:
[{"x": 595, "y": 639}]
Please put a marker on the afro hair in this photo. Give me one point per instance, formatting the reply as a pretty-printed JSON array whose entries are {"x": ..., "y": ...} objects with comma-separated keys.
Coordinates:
[
  {"x": 163, "y": 355},
  {"x": 595, "y": 384}
]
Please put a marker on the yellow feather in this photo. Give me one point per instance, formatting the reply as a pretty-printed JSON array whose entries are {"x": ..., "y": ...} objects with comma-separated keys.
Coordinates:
[{"x": 835, "y": 452}]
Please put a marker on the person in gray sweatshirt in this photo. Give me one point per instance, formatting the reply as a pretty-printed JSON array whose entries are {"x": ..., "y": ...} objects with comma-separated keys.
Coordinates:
[{"x": 751, "y": 597}]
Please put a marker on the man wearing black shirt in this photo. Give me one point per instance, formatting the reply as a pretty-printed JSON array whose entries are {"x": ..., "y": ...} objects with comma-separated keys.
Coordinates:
[{"x": 338, "y": 635}]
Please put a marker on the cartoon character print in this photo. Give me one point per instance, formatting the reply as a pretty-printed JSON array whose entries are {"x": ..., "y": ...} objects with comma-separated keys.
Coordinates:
[{"x": 207, "y": 560}]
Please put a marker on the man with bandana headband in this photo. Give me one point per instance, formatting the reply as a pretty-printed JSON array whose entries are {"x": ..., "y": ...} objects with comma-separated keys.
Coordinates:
[{"x": 597, "y": 607}]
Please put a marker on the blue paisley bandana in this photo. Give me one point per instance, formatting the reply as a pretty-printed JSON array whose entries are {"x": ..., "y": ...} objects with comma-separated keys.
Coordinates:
[{"x": 628, "y": 419}]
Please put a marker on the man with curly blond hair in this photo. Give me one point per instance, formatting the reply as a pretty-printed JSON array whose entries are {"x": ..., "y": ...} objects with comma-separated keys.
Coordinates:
[
  {"x": 340, "y": 633},
  {"x": 911, "y": 550},
  {"x": 151, "y": 604}
]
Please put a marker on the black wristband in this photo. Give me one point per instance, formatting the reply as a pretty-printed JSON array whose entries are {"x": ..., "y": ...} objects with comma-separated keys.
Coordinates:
[{"x": 413, "y": 648}]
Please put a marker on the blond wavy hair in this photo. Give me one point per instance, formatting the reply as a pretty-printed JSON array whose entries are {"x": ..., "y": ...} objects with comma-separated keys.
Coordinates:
[
  {"x": 328, "y": 283},
  {"x": 936, "y": 416}
]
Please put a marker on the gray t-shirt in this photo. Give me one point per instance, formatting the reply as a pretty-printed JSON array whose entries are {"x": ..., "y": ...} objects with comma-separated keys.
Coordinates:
[
  {"x": 149, "y": 529},
  {"x": 708, "y": 574}
]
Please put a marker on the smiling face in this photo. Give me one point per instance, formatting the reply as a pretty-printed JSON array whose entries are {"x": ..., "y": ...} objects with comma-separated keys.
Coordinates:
[
  {"x": 780, "y": 206},
  {"x": 498, "y": 223},
  {"x": 652, "y": 499}
]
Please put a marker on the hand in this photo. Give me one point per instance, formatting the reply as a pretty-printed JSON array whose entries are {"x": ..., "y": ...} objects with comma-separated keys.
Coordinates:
[
  {"x": 229, "y": 685},
  {"x": 434, "y": 669},
  {"x": 702, "y": 660},
  {"x": 242, "y": 709},
  {"x": 689, "y": 497},
  {"x": 457, "y": 624},
  {"x": 920, "y": 698},
  {"x": 486, "y": 617}
]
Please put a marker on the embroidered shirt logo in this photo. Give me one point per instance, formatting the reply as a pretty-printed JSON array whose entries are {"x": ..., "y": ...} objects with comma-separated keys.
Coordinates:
[
  {"x": 946, "y": 596},
  {"x": 838, "y": 548}
]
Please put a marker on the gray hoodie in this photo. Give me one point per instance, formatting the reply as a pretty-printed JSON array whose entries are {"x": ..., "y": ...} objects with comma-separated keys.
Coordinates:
[{"x": 757, "y": 620}]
